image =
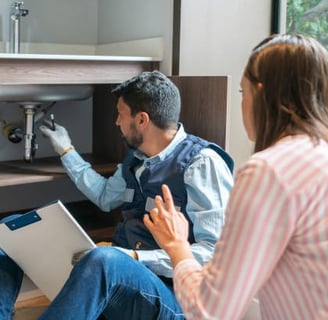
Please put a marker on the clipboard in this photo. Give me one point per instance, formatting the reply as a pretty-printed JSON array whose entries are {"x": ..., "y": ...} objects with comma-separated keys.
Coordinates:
[{"x": 42, "y": 242}]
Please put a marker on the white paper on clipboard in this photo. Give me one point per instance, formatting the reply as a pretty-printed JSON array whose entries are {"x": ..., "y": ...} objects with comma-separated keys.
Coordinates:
[{"x": 42, "y": 242}]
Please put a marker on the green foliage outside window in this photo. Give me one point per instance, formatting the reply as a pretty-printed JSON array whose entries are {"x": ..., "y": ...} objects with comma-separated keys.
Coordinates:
[{"x": 309, "y": 17}]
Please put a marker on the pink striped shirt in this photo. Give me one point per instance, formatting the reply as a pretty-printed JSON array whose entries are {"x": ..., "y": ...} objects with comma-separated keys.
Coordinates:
[{"x": 274, "y": 243}]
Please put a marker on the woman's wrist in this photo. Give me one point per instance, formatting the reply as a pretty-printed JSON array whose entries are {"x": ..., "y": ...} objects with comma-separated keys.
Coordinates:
[{"x": 179, "y": 251}]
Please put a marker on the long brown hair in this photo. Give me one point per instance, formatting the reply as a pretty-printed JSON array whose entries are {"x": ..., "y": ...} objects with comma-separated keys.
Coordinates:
[{"x": 293, "y": 96}]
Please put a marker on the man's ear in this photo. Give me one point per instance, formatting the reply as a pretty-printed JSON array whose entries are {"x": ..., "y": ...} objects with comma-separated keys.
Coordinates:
[{"x": 143, "y": 119}]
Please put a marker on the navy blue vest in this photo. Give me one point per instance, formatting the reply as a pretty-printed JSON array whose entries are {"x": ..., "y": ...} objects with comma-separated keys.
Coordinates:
[{"x": 131, "y": 232}]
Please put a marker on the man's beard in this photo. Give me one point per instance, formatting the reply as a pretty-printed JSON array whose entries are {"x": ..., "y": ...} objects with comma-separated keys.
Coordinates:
[{"x": 135, "y": 139}]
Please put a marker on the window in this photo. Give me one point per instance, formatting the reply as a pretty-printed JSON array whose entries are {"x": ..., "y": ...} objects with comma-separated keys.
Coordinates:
[{"x": 309, "y": 17}]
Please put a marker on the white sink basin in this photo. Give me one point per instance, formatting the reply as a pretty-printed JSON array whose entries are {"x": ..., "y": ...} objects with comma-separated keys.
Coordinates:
[{"x": 33, "y": 93}]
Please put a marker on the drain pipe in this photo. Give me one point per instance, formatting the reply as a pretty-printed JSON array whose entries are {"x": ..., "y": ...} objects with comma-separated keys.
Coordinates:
[{"x": 29, "y": 135}]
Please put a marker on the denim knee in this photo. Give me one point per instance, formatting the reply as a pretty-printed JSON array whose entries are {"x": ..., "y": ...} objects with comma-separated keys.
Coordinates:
[
  {"x": 102, "y": 260},
  {"x": 101, "y": 255}
]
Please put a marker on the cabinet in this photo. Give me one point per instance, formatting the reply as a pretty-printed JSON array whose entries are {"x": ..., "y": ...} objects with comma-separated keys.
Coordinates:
[{"x": 205, "y": 103}]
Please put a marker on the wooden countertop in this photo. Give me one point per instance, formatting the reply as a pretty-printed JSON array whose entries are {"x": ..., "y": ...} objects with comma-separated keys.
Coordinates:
[{"x": 71, "y": 69}]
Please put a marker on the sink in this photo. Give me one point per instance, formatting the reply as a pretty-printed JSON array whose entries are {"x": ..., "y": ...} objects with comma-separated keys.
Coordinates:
[
  {"x": 29, "y": 96},
  {"x": 37, "y": 94}
]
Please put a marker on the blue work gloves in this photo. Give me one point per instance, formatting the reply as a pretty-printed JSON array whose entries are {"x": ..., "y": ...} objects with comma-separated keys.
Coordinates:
[{"x": 59, "y": 137}]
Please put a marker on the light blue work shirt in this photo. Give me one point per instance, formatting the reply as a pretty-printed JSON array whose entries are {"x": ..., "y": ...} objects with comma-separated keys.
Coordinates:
[{"x": 208, "y": 183}]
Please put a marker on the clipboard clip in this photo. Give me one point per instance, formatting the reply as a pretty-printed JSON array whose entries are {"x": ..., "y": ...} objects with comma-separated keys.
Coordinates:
[{"x": 23, "y": 221}]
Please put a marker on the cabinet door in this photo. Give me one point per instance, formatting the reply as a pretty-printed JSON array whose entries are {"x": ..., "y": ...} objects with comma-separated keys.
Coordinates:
[{"x": 205, "y": 106}]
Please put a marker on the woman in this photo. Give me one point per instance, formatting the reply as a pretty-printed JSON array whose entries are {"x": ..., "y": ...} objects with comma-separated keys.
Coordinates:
[{"x": 275, "y": 239}]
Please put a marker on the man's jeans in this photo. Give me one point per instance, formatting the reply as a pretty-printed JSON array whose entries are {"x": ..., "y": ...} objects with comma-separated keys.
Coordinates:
[
  {"x": 11, "y": 277},
  {"x": 109, "y": 282}
]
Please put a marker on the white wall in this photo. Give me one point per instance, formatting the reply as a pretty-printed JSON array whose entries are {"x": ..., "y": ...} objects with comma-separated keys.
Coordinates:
[
  {"x": 131, "y": 20},
  {"x": 127, "y": 20},
  {"x": 4, "y": 19},
  {"x": 216, "y": 39},
  {"x": 60, "y": 21}
]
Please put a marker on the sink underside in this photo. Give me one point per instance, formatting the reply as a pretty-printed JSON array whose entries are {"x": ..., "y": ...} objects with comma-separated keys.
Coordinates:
[{"x": 33, "y": 94}]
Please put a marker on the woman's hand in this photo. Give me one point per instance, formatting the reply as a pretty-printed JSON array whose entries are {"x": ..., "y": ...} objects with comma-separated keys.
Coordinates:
[{"x": 169, "y": 227}]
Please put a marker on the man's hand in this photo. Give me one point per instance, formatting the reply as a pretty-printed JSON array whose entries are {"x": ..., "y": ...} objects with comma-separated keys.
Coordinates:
[
  {"x": 59, "y": 137},
  {"x": 169, "y": 227}
]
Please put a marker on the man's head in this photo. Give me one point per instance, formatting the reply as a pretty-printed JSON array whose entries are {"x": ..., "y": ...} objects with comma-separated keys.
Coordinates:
[{"x": 153, "y": 93}]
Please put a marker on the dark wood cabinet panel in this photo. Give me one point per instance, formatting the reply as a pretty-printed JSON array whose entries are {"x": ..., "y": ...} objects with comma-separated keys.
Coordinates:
[
  {"x": 107, "y": 142},
  {"x": 205, "y": 106}
]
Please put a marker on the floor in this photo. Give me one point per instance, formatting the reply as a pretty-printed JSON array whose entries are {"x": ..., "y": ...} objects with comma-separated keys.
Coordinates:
[
  {"x": 31, "y": 303},
  {"x": 30, "y": 309}
]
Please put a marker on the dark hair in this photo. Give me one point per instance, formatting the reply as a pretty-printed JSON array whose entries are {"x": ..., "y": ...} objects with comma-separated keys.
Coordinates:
[
  {"x": 293, "y": 96},
  {"x": 154, "y": 93}
]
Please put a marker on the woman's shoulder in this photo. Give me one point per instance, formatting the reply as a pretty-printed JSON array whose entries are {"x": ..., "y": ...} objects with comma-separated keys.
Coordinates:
[{"x": 289, "y": 159}]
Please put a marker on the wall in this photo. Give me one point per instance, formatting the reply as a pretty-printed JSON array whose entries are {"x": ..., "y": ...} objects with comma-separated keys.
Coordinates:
[
  {"x": 4, "y": 19},
  {"x": 60, "y": 21},
  {"x": 216, "y": 39},
  {"x": 130, "y": 20},
  {"x": 126, "y": 20}
]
